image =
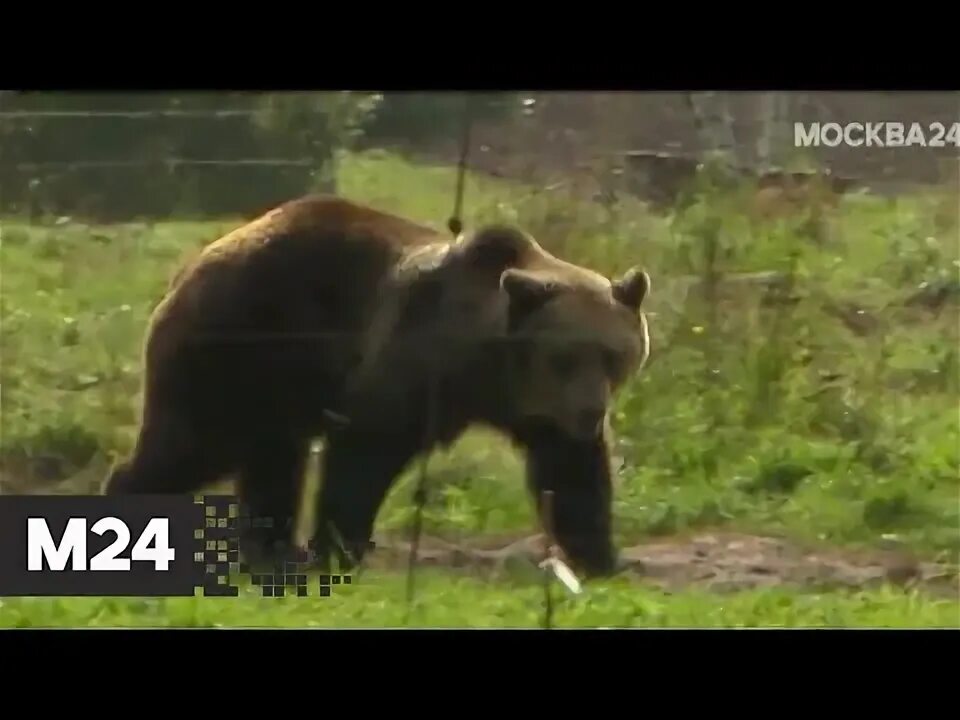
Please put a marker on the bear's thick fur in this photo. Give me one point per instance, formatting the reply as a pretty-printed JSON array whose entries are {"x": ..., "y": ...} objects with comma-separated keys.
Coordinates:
[{"x": 324, "y": 318}]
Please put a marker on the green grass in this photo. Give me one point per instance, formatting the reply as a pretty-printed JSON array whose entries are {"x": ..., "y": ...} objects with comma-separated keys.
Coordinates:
[
  {"x": 445, "y": 601},
  {"x": 831, "y": 417}
]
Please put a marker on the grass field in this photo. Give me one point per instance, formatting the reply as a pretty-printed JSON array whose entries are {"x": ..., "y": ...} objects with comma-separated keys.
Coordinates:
[
  {"x": 819, "y": 406},
  {"x": 448, "y": 601}
]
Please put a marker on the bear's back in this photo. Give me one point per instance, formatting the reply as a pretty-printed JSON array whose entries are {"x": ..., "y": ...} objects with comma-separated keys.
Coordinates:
[
  {"x": 312, "y": 265},
  {"x": 316, "y": 244},
  {"x": 315, "y": 221}
]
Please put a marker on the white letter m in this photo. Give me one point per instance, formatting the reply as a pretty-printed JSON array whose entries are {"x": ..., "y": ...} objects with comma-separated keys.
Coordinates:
[
  {"x": 40, "y": 544},
  {"x": 803, "y": 137}
]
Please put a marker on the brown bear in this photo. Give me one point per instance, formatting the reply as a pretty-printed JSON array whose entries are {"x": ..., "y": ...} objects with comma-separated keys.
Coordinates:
[{"x": 325, "y": 318}]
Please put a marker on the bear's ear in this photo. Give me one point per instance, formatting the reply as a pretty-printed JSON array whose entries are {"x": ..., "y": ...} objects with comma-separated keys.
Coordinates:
[
  {"x": 526, "y": 293},
  {"x": 632, "y": 289},
  {"x": 496, "y": 247}
]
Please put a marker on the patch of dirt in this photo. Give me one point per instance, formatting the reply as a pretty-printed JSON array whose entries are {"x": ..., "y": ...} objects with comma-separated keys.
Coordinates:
[{"x": 716, "y": 561}]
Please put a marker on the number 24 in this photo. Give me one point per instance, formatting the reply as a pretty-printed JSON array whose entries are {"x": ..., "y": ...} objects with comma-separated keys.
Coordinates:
[{"x": 156, "y": 531}]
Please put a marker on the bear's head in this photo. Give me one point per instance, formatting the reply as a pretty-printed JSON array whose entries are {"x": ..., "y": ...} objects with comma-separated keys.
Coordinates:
[
  {"x": 573, "y": 336},
  {"x": 577, "y": 337}
]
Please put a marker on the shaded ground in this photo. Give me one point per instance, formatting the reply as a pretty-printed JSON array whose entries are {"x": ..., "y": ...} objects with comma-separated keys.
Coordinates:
[{"x": 718, "y": 561}]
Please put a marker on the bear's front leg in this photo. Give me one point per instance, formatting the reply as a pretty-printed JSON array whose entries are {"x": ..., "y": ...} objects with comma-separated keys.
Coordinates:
[
  {"x": 358, "y": 472},
  {"x": 579, "y": 475}
]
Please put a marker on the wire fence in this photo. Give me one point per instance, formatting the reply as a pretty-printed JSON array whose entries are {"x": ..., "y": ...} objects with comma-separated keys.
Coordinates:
[
  {"x": 646, "y": 144},
  {"x": 172, "y": 162}
]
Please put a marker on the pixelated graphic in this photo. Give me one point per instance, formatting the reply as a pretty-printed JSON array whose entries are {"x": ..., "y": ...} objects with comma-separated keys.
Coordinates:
[
  {"x": 326, "y": 581},
  {"x": 218, "y": 545},
  {"x": 286, "y": 575},
  {"x": 143, "y": 546},
  {"x": 220, "y": 549}
]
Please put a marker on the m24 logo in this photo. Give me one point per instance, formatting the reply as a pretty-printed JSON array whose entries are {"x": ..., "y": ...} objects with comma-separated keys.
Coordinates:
[{"x": 152, "y": 546}]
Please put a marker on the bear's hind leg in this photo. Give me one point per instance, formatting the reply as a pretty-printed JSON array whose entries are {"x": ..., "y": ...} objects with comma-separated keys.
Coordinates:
[
  {"x": 166, "y": 460},
  {"x": 269, "y": 486}
]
